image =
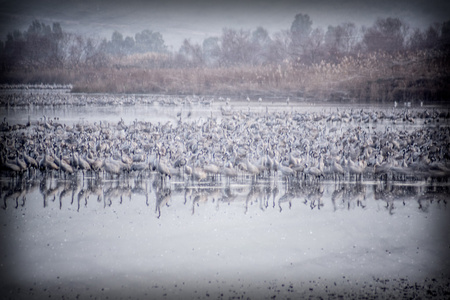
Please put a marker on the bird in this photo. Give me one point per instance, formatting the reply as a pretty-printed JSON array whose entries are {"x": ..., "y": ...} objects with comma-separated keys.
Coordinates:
[
  {"x": 198, "y": 173},
  {"x": 337, "y": 169},
  {"x": 10, "y": 165},
  {"x": 47, "y": 163},
  {"x": 112, "y": 167},
  {"x": 313, "y": 171},
  {"x": 31, "y": 162},
  {"x": 285, "y": 170},
  {"x": 229, "y": 171},
  {"x": 211, "y": 169},
  {"x": 83, "y": 164},
  {"x": 252, "y": 169},
  {"x": 162, "y": 168},
  {"x": 317, "y": 143},
  {"x": 356, "y": 169}
]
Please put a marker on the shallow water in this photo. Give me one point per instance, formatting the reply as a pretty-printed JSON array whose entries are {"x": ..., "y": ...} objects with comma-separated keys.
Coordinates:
[
  {"x": 147, "y": 237},
  {"x": 138, "y": 236},
  {"x": 162, "y": 109}
]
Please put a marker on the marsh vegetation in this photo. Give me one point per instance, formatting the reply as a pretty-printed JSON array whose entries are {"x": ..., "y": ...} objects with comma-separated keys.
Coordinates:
[{"x": 386, "y": 62}]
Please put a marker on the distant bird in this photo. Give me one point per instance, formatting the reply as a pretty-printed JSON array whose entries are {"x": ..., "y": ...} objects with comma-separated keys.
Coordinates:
[
  {"x": 47, "y": 163},
  {"x": 162, "y": 168},
  {"x": 286, "y": 171},
  {"x": 229, "y": 171},
  {"x": 83, "y": 164},
  {"x": 10, "y": 165},
  {"x": 112, "y": 167},
  {"x": 199, "y": 174},
  {"x": 337, "y": 169},
  {"x": 63, "y": 165},
  {"x": 31, "y": 162},
  {"x": 313, "y": 171},
  {"x": 20, "y": 162},
  {"x": 317, "y": 143},
  {"x": 211, "y": 169},
  {"x": 356, "y": 168}
]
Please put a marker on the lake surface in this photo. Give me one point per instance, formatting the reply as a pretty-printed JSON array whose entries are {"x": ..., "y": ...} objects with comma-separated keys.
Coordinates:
[
  {"x": 145, "y": 237},
  {"x": 141, "y": 237},
  {"x": 167, "y": 108}
]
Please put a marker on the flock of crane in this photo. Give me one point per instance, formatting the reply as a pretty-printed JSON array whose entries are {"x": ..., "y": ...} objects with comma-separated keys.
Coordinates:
[{"x": 335, "y": 144}]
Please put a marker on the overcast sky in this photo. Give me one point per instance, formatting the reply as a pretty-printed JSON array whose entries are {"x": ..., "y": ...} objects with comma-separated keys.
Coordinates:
[{"x": 200, "y": 19}]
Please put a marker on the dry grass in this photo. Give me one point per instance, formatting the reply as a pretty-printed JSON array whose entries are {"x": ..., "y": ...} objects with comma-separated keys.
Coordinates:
[{"x": 375, "y": 77}]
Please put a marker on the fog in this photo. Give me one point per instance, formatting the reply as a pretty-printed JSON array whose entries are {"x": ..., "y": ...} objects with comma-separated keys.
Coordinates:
[{"x": 197, "y": 20}]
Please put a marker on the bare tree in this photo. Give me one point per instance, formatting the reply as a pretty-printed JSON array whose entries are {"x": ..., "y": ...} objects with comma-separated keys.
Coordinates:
[
  {"x": 314, "y": 50},
  {"x": 211, "y": 50},
  {"x": 341, "y": 40},
  {"x": 192, "y": 52},
  {"x": 260, "y": 43},
  {"x": 445, "y": 35},
  {"x": 96, "y": 53},
  {"x": 149, "y": 41},
  {"x": 386, "y": 35},
  {"x": 279, "y": 48},
  {"x": 416, "y": 40},
  {"x": 74, "y": 49},
  {"x": 300, "y": 30},
  {"x": 236, "y": 47},
  {"x": 128, "y": 45}
]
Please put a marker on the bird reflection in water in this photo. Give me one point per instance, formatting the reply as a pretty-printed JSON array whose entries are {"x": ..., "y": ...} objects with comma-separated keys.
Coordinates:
[
  {"x": 266, "y": 194},
  {"x": 162, "y": 194}
]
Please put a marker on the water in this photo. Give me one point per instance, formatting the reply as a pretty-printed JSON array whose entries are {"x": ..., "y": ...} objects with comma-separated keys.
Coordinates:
[
  {"x": 138, "y": 236},
  {"x": 145, "y": 237},
  {"x": 167, "y": 109}
]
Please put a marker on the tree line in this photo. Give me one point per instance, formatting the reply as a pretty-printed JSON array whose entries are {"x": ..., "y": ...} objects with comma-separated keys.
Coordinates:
[{"x": 49, "y": 46}]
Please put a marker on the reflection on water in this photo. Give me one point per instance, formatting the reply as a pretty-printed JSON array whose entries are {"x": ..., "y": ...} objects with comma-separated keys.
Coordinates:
[
  {"x": 154, "y": 238},
  {"x": 266, "y": 194}
]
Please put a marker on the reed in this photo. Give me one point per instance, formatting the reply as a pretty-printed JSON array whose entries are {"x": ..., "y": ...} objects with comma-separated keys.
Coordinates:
[{"x": 374, "y": 77}]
